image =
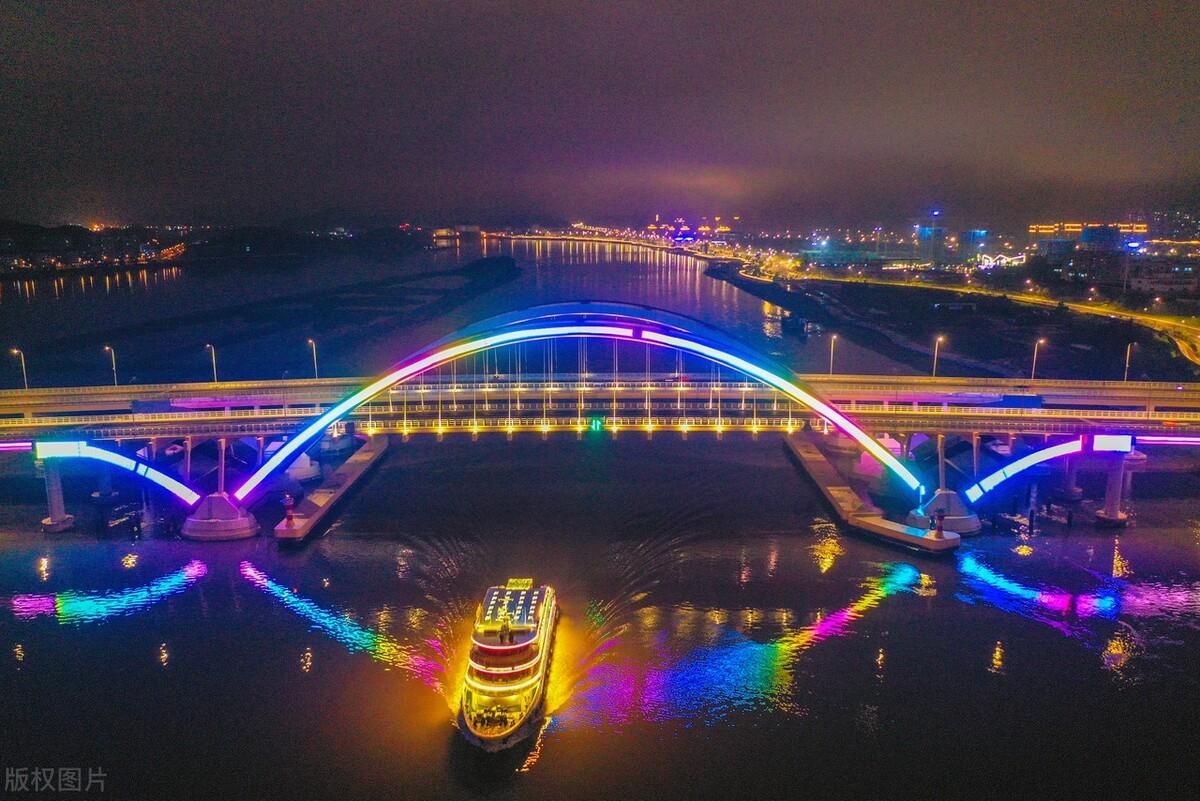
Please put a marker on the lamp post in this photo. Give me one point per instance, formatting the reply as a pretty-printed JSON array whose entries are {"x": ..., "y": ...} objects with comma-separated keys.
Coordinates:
[
  {"x": 937, "y": 343},
  {"x": 112, "y": 356},
  {"x": 1036, "y": 345},
  {"x": 20, "y": 354},
  {"x": 1128, "y": 354},
  {"x": 832, "y": 345},
  {"x": 213, "y": 353},
  {"x": 312, "y": 344}
]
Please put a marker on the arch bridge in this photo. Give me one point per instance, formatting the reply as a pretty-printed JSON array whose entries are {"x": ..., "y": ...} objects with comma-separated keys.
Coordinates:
[{"x": 737, "y": 389}]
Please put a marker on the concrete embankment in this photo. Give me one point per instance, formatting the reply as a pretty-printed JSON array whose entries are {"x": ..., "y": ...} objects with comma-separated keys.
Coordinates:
[
  {"x": 855, "y": 511},
  {"x": 310, "y": 512}
]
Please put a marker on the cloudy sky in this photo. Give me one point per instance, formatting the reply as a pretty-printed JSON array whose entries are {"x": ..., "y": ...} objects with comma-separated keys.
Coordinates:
[{"x": 791, "y": 112}]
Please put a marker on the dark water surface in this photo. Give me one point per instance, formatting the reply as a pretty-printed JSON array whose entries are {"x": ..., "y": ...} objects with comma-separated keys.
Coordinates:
[{"x": 720, "y": 637}]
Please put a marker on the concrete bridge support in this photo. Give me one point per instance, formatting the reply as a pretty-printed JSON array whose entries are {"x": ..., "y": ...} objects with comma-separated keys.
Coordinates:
[
  {"x": 104, "y": 486},
  {"x": 218, "y": 517},
  {"x": 303, "y": 468},
  {"x": 1111, "y": 516},
  {"x": 958, "y": 517},
  {"x": 58, "y": 519},
  {"x": 1070, "y": 490}
]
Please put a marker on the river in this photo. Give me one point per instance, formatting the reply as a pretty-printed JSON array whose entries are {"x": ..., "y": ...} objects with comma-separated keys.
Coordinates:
[{"x": 720, "y": 637}]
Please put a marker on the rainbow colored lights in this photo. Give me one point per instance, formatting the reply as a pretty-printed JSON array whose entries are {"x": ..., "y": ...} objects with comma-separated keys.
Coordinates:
[
  {"x": 407, "y": 370},
  {"x": 82, "y": 450},
  {"x": 845, "y": 424},
  {"x": 1004, "y": 593},
  {"x": 72, "y": 607},
  {"x": 734, "y": 673},
  {"x": 345, "y": 631},
  {"x": 628, "y": 323}
]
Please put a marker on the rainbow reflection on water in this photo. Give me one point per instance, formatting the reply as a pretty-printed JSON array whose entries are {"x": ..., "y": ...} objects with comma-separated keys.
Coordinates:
[
  {"x": 353, "y": 636},
  {"x": 1054, "y": 607},
  {"x": 72, "y": 607},
  {"x": 733, "y": 674}
]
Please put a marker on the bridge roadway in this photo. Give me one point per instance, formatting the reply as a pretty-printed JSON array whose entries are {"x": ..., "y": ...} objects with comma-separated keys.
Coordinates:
[{"x": 695, "y": 402}]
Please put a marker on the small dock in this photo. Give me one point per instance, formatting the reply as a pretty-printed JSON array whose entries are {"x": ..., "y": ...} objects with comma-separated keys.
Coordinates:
[
  {"x": 858, "y": 513},
  {"x": 309, "y": 513}
]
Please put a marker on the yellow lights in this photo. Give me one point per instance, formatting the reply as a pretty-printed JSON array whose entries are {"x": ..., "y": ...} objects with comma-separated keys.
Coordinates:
[
  {"x": 1118, "y": 651},
  {"x": 828, "y": 546},
  {"x": 129, "y": 561},
  {"x": 43, "y": 568},
  {"x": 997, "y": 666},
  {"x": 1120, "y": 565},
  {"x": 306, "y": 660}
]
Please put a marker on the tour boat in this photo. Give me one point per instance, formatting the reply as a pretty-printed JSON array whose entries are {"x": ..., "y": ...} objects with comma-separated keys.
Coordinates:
[{"x": 504, "y": 689}]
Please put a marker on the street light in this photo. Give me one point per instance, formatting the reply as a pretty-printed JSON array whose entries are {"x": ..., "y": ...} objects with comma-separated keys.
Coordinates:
[
  {"x": 832, "y": 344},
  {"x": 1036, "y": 345},
  {"x": 312, "y": 343},
  {"x": 937, "y": 343},
  {"x": 1128, "y": 354},
  {"x": 212, "y": 352},
  {"x": 20, "y": 354},
  {"x": 112, "y": 355}
]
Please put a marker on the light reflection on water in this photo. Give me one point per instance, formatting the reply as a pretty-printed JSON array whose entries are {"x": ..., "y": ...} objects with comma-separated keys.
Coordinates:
[
  {"x": 74, "y": 607},
  {"x": 594, "y": 681}
]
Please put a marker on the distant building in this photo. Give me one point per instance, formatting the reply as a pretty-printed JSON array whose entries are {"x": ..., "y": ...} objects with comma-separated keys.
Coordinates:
[
  {"x": 1075, "y": 230},
  {"x": 1101, "y": 237},
  {"x": 971, "y": 244}
]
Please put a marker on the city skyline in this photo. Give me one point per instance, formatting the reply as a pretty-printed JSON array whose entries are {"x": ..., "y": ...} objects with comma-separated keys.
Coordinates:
[{"x": 788, "y": 115}]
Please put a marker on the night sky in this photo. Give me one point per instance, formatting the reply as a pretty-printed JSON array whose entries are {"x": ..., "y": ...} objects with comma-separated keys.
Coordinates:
[{"x": 791, "y": 113}]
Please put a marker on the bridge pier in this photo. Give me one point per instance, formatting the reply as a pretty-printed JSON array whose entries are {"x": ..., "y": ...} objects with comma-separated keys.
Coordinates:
[
  {"x": 303, "y": 468},
  {"x": 104, "y": 486},
  {"x": 945, "y": 504},
  {"x": 958, "y": 517},
  {"x": 218, "y": 517},
  {"x": 58, "y": 519},
  {"x": 1111, "y": 515},
  {"x": 1071, "y": 491}
]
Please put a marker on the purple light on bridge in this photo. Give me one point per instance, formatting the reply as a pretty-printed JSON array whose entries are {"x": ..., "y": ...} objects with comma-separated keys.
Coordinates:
[{"x": 1163, "y": 439}]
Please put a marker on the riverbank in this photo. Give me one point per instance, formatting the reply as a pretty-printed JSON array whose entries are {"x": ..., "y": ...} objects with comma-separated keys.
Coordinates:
[{"x": 984, "y": 335}]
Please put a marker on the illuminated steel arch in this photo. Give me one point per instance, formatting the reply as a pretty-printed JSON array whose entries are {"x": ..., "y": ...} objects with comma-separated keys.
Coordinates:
[
  {"x": 618, "y": 322},
  {"x": 1110, "y": 443},
  {"x": 55, "y": 449}
]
